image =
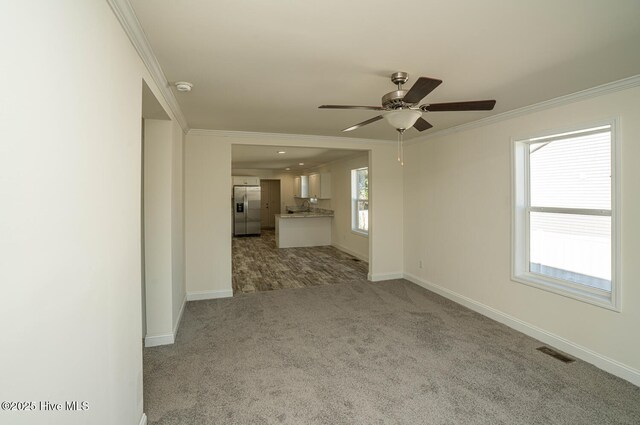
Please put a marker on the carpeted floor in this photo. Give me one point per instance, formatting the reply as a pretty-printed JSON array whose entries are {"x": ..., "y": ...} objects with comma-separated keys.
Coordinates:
[{"x": 367, "y": 353}]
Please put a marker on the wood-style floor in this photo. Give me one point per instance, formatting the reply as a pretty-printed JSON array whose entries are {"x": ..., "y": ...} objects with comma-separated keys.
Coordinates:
[{"x": 259, "y": 266}]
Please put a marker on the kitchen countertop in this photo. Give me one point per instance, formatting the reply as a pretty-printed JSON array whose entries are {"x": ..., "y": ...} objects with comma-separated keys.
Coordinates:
[{"x": 304, "y": 215}]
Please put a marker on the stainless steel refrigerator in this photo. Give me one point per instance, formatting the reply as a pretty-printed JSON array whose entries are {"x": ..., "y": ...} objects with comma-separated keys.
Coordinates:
[{"x": 246, "y": 210}]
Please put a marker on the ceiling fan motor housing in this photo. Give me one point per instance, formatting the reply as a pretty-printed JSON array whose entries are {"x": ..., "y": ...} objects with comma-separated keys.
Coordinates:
[{"x": 393, "y": 100}]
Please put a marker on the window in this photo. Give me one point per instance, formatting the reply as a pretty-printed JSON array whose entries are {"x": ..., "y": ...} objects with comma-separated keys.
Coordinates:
[
  {"x": 360, "y": 200},
  {"x": 564, "y": 214}
]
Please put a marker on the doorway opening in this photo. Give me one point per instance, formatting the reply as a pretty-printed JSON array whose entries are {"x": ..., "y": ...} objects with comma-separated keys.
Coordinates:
[
  {"x": 152, "y": 110},
  {"x": 269, "y": 203},
  {"x": 306, "y": 235}
]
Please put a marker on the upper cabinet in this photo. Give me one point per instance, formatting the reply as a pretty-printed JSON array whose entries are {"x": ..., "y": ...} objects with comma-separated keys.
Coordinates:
[
  {"x": 314, "y": 185},
  {"x": 320, "y": 186},
  {"x": 301, "y": 187},
  {"x": 246, "y": 180}
]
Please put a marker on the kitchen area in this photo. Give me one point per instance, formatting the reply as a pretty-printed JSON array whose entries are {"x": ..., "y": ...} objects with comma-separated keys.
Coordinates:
[
  {"x": 291, "y": 212},
  {"x": 306, "y": 225}
]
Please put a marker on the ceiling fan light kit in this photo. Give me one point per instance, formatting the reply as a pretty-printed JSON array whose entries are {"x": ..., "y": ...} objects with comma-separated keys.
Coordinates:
[
  {"x": 401, "y": 107},
  {"x": 402, "y": 119}
]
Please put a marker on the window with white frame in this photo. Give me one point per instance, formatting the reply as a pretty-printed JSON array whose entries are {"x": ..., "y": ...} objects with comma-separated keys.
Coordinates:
[
  {"x": 564, "y": 214},
  {"x": 360, "y": 200}
]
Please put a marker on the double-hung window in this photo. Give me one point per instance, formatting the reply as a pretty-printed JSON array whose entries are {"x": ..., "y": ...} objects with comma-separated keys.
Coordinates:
[
  {"x": 564, "y": 214},
  {"x": 360, "y": 201}
]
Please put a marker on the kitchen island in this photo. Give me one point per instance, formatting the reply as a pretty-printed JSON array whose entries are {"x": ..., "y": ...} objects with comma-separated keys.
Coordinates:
[{"x": 302, "y": 229}]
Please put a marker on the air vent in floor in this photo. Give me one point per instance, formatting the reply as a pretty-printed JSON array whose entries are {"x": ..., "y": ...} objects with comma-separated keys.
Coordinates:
[{"x": 555, "y": 354}]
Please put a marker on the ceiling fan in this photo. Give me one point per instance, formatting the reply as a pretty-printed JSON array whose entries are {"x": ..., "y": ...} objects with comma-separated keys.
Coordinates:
[{"x": 401, "y": 108}]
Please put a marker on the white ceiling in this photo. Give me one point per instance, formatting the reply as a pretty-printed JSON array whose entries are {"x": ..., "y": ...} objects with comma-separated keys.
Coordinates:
[
  {"x": 267, "y": 157},
  {"x": 265, "y": 66}
]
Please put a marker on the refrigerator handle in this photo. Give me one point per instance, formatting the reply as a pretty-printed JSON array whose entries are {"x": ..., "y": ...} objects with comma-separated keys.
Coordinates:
[{"x": 246, "y": 205}]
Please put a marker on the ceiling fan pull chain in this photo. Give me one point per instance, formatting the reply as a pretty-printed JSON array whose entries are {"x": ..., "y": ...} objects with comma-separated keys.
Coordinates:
[{"x": 400, "y": 146}]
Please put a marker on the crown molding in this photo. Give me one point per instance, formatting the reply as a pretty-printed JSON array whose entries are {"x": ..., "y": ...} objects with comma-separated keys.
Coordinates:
[
  {"x": 625, "y": 83},
  {"x": 283, "y": 136},
  {"x": 129, "y": 22}
]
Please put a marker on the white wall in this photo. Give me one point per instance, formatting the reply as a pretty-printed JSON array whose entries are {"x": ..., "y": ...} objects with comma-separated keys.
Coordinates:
[
  {"x": 157, "y": 227},
  {"x": 208, "y": 228},
  {"x": 178, "y": 281},
  {"x": 342, "y": 237},
  {"x": 207, "y": 179},
  {"x": 164, "y": 237},
  {"x": 70, "y": 155},
  {"x": 457, "y": 209}
]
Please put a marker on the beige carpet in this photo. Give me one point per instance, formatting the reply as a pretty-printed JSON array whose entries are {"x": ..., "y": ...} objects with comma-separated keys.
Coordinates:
[{"x": 367, "y": 353}]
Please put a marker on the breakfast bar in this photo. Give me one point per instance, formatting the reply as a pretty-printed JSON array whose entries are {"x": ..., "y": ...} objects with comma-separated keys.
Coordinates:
[{"x": 303, "y": 229}]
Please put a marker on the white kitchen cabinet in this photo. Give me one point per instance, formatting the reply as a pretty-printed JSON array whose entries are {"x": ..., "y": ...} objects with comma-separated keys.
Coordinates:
[
  {"x": 314, "y": 185},
  {"x": 320, "y": 186},
  {"x": 246, "y": 180},
  {"x": 301, "y": 187}
]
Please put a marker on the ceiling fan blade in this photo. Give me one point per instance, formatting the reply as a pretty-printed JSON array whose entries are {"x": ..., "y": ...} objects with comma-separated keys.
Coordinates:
[
  {"x": 476, "y": 105},
  {"x": 363, "y": 123},
  {"x": 420, "y": 89},
  {"x": 370, "y": 108},
  {"x": 422, "y": 125}
]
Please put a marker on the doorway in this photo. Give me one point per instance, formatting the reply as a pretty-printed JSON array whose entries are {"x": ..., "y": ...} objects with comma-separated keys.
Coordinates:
[
  {"x": 269, "y": 203},
  {"x": 340, "y": 256},
  {"x": 152, "y": 110}
]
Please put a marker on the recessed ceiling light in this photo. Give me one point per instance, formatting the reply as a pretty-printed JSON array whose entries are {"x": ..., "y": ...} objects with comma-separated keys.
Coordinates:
[
  {"x": 281, "y": 152},
  {"x": 288, "y": 169},
  {"x": 302, "y": 163}
]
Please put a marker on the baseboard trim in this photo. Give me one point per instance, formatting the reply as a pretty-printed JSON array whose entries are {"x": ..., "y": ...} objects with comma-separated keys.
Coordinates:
[
  {"x": 143, "y": 419},
  {"x": 166, "y": 339},
  {"x": 350, "y": 252},
  {"x": 155, "y": 340},
  {"x": 384, "y": 276},
  {"x": 209, "y": 295},
  {"x": 177, "y": 324},
  {"x": 603, "y": 362}
]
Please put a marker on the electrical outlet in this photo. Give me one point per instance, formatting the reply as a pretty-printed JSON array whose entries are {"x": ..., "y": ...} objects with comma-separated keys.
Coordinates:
[{"x": 420, "y": 263}]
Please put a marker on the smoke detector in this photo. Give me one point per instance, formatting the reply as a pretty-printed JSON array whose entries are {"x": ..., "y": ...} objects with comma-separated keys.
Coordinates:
[{"x": 183, "y": 86}]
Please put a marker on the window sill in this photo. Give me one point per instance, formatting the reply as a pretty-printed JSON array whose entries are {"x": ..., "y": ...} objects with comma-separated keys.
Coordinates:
[
  {"x": 360, "y": 233},
  {"x": 594, "y": 297}
]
